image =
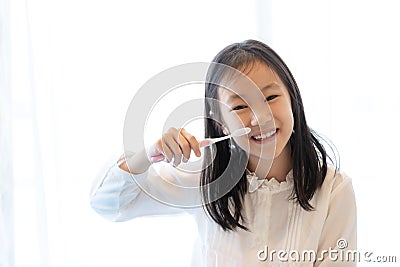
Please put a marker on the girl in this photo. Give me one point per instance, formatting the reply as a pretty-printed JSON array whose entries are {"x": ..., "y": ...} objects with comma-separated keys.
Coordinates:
[{"x": 299, "y": 212}]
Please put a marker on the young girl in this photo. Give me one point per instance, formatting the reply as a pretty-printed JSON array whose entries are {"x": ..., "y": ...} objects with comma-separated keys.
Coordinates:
[{"x": 293, "y": 210}]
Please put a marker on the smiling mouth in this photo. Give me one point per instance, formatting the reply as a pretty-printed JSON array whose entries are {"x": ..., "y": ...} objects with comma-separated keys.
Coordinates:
[{"x": 264, "y": 136}]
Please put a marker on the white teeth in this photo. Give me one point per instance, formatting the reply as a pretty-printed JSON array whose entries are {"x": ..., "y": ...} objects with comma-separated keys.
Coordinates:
[{"x": 266, "y": 135}]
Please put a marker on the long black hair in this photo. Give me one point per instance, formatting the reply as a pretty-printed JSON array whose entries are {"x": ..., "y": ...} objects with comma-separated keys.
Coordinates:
[{"x": 309, "y": 157}]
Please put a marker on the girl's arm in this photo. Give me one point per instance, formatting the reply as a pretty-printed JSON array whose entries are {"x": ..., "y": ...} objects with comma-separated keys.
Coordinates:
[
  {"x": 339, "y": 233},
  {"x": 133, "y": 187},
  {"x": 120, "y": 196}
]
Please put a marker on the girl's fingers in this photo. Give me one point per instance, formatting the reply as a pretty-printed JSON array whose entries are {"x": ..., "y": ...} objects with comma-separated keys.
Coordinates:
[
  {"x": 175, "y": 149},
  {"x": 184, "y": 145},
  {"x": 194, "y": 144},
  {"x": 177, "y": 143},
  {"x": 162, "y": 146}
]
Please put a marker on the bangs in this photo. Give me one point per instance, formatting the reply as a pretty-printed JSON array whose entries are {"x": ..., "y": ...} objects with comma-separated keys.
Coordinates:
[{"x": 243, "y": 61}]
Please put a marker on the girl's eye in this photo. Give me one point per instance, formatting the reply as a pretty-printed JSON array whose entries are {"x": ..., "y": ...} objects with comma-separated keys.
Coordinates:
[
  {"x": 239, "y": 107},
  {"x": 272, "y": 97}
]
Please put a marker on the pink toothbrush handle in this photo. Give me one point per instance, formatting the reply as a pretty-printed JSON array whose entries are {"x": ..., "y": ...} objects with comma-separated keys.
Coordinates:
[
  {"x": 205, "y": 143},
  {"x": 160, "y": 157},
  {"x": 157, "y": 158}
]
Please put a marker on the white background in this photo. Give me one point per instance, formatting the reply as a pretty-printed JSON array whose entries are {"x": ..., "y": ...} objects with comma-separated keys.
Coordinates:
[{"x": 77, "y": 64}]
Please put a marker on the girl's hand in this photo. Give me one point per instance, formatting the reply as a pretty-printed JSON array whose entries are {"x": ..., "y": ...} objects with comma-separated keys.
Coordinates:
[{"x": 175, "y": 145}]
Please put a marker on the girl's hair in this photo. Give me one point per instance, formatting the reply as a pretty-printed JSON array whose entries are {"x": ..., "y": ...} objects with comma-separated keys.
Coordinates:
[{"x": 309, "y": 157}]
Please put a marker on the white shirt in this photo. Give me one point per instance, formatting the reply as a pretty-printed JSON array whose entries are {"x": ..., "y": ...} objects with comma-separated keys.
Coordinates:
[{"x": 282, "y": 233}]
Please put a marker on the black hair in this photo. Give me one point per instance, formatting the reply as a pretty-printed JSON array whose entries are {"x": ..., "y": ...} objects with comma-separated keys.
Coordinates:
[{"x": 309, "y": 157}]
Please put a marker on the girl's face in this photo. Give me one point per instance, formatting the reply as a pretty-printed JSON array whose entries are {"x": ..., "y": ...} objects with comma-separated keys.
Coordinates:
[{"x": 265, "y": 109}]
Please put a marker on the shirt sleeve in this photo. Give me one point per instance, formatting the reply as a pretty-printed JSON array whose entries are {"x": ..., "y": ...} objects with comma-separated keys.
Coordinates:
[
  {"x": 120, "y": 196},
  {"x": 338, "y": 242}
]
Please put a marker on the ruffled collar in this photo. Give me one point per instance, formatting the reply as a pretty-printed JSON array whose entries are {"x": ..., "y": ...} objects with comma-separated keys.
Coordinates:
[{"x": 271, "y": 184}]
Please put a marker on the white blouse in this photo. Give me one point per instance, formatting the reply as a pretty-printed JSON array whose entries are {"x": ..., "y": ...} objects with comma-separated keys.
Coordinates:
[{"x": 281, "y": 232}]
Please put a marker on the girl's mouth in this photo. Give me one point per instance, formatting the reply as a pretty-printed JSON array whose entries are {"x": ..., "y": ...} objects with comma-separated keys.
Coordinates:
[{"x": 265, "y": 137}]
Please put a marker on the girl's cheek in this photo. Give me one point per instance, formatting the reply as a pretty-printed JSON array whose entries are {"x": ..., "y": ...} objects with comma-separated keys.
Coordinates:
[
  {"x": 233, "y": 121},
  {"x": 289, "y": 117},
  {"x": 245, "y": 118}
]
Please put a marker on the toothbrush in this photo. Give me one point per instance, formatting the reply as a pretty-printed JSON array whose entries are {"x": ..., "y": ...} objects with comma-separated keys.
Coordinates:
[{"x": 209, "y": 141}]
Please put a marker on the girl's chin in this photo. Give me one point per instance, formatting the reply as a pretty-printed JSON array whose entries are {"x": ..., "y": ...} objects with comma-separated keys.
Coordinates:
[
  {"x": 267, "y": 150},
  {"x": 266, "y": 155}
]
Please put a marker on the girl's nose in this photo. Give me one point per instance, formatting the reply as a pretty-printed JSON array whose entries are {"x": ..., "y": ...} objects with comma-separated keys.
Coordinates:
[{"x": 261, "y": 117}]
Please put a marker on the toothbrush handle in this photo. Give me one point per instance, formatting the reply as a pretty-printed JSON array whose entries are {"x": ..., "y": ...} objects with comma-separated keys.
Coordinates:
[
  {"x": 205, "y": 143},
  {"x": 158, "y": 158}
]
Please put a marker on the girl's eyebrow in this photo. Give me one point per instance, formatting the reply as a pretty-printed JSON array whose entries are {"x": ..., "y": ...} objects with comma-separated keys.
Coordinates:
[{"x": 268, "y": 86}]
